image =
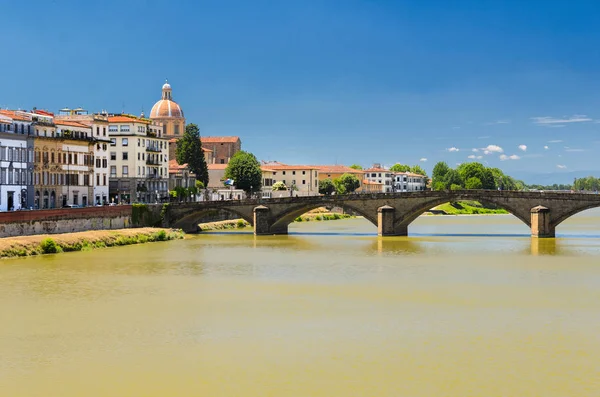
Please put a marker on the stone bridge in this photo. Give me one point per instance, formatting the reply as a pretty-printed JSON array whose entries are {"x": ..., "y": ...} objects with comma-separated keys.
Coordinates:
[{"x": 390, "y": 212}]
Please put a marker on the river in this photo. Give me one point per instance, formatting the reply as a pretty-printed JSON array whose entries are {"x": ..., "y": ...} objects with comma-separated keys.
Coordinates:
[{"x": 465, "y": 306}]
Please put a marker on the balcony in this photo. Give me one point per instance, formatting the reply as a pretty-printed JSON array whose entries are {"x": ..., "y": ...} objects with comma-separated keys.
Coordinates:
[
  {"x": 153, "y": 176},
  {"x": 152, "y": 162},
  {"x": 152, "y": 149}
]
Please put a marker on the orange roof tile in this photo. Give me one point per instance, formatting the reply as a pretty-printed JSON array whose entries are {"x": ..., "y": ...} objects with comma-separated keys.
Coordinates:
[
  {"x": 219, "y": 139},
  {"x": 13, "y": 115},
  {"x": 126, "y": 119},
  {"x": 70, "y": 123},
  {"x": 174, "y": 166},
  {"x": 217, "y": 166},
  {"x": 337, "y": 169},
  {"x": 284, "y": 167}
]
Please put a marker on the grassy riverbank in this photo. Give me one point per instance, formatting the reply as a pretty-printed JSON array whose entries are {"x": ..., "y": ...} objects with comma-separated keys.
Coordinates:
[
  {"x": 468, "y": 208},
  {"x": 313, "y": 216},
  {"x": 83, "y": 241}
]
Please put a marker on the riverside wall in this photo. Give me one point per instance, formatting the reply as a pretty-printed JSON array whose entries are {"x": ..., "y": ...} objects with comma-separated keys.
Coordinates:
[{"x": 65, "y": 220}]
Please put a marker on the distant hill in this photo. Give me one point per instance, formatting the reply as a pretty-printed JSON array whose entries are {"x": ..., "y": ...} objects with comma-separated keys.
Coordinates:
[{"x": 564, "y": 177}]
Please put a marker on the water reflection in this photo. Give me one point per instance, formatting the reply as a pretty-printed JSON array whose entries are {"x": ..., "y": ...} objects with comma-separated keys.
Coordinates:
[
  {"x": 543, "y": 246},
  {"x": 396, "y": 245}
]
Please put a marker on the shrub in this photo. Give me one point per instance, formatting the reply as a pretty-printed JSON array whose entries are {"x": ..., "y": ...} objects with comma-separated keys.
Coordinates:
[
  {"x": 161, "y": 235},
  {"x": 49, "y": 246},
  {"x": 241, "y": 223}
]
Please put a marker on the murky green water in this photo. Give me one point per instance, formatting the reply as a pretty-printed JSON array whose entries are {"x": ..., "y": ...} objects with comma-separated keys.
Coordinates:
[{"x": 466, "y": 306}]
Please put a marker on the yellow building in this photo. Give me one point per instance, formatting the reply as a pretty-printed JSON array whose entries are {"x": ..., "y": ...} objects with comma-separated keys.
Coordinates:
[
  {"x": 301, "y": 180},
  {"x": 168, "y": 113}
]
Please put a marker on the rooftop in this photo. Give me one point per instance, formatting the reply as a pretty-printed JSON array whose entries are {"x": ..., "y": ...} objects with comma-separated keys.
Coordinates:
[
  {"x": 217, "y": 166},
  {"x": 71, "y": 123},
  {"x": 337, "y": 169},
  {"x": 219, "y": 139}
]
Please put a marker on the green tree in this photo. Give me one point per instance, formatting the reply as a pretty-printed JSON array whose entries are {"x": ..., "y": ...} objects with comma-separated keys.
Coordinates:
[
  {"x": 438, "y": 175},
  {"x": 326, "y": 186},
  {"x": 455, "y": 187},
  {"x": 279, "y": 186},
  {"x": 189, "y": 151},
  {"x": 400, "y": 168},
  {"x": 473, "y": 183},
  {"x": 479, "y": 171},
  {"x": 356, "y": 167},
  {"x": 452, "y": 177},
  {"x": 199, "y": 185},
  {"x": 347, "y": 183},
  {"x": 245, "y": 171},
  {"x": 417, "y": 169},
  {"x": 439, "y": 185}
]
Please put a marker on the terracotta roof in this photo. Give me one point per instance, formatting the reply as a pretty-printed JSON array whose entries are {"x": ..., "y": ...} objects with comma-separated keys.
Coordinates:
[
  {"x": 70, "y": 123},
  {"x": 13, "y": 115},
  {"x": 368, "y": 182},
  {"x": 219, "y": 139},
  {"x": 217, "y": 166},
  {"x": 409, "y": 174},
  {"x": 283, "y": 167},
  {"x": 174, "y": 166},
  {"x": 126, "y": 119},
  {"x": 166, "y": 108},
  {"x": 376, "y": 170},
  {"x": 337, "y": 169}
]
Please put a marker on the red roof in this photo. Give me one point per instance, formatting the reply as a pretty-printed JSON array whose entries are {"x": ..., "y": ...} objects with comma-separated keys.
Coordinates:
[
  {"x": 174, "y": 166},
  {"x": 219, "y": 139},
  {"x": 337, "y": 169},
  {"x": 217, "y": 166},
  {"x": 70, "y": 123},
  {"x": 13, "y": 115},
  {"x": 126, "y": 119}
]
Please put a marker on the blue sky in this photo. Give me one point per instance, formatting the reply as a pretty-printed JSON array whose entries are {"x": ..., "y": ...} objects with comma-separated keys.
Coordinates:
[{"x": 330, "y": 81}]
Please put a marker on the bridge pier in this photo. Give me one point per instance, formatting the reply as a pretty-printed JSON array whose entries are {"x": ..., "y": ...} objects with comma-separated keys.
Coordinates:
[
  {"x": 386, "y": 216},
  {"x": 541, "y": 225},
  {"x": 261, "y": 220}
]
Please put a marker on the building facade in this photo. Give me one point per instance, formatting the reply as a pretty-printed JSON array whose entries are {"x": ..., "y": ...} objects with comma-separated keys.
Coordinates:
[
  {"x": 380, "y": 176},
  {"x": 15, "y": 163},
  {"x": 300, "y": 180},
  {"x": 139, "y": 160},
  {"x": 222, "y": 148},
  {"x": 409, "y": 182}
]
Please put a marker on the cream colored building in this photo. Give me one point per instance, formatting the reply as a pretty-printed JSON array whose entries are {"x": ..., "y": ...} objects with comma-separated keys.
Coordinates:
[
  {"x": 168, "y": 113},
  {"x": 139, "y": 160},
  {"x": 301, "y": 180}
]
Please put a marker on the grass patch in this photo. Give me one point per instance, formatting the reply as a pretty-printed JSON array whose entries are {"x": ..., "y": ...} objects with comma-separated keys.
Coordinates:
[
  {"x": 468, "y": 208},
  {"x": 83, "y": 241}
]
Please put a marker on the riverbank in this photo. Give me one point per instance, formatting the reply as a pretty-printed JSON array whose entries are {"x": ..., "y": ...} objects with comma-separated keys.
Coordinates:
[
  {"x": 82, "y": 241},
  {"x": 313, "y": 216},
  {"x": 466, "y": 208}
]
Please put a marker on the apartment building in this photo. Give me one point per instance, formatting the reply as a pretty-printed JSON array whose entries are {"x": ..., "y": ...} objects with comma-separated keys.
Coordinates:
[
  {"x": 379, "y": 176},
  {"x": 301, "y": 180},
  {"x": 139, "y": 161},
  {"x": 15, "y": 162},
  {"x": 409, "y": 182}
]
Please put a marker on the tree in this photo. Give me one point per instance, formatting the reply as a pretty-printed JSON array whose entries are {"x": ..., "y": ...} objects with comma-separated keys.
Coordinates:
[
  {"x": 326, "y": 186},
  {"x": 356, "y": 167},
  {"x": 245, "y": 171},
  {"x": 278, "y": 186},
  {"x": 400, "y": 168},
  {"x": 455, "y": 187},
  {"x": 473, "y": 183},
  {"x": 452, "y": 177},
  {"x": 439, "y": 172},
  {"x": 417, "y": 169},
  {"x": 439, "y": 185},
  {"x": 199, "y": 185},
  {"x": 479, "y": 171},
  {"x": 346, "y": 183},
  {"x": 189, "y": 151}
]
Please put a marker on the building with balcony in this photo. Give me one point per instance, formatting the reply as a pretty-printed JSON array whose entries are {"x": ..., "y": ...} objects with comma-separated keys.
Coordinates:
[
  {"x": 138, "y": 160},
  {"x": 99, "y": 130},
  {"x": 16, "y": 156}
]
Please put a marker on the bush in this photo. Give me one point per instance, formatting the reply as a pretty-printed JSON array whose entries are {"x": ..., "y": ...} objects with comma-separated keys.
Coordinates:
[
  {"x": 161, "y": 235},
  {"x": 49, "y": 246},
  {"x": 241, "y": 223}
]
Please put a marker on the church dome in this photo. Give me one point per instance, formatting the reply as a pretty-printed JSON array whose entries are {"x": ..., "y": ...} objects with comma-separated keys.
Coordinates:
[{"x": 166, "y": 107}]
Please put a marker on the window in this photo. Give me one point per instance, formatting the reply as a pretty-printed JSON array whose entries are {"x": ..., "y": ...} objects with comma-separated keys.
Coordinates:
[
  {"x": 104, "y": 179},
  {"x": 113, "y": 141},
  {"x": 104, "y": 146},
  {"x": 113, "y": 171},
  {"x": 98, "y": 131},
  {"x": 125, "y": 170},
  {"x": 113, "y": 128},
  {"x": 138, "y": 142},
  {"x": 176, "y": 129},
  {"x": 303, "y": 182},
  {"x": 303, "y": 172},
  {"x": 293, "y": 172},
  {"x": 125, "y": 142},
  {"x": 283, "y": 172},
  {"x": 138, "y": 157},
  {"x": 113, "y": 156},
  {"x": 139, "y": 170},
  {"x": 103, "y": 131},
  {"x": 223, "y": 162},
  {"x": 125, "y": 156},
  {"x": 124, "y": 128}
]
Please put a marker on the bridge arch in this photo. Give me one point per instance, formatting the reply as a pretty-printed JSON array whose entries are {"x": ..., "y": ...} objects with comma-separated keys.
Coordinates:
[
  {"x": 574, "y": 211},
  {"x": 418, "y": 209},
  {"x": 284, "y": 219},
  {"x": 189, "y": 222}
]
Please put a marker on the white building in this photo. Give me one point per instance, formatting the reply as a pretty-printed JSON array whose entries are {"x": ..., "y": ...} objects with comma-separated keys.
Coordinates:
[
  {"x": 409, "y": 182},
  {"x": 300, "y": 180},
  {"x": 15, "y": 175},
  {"x": 379, "y": 175}
]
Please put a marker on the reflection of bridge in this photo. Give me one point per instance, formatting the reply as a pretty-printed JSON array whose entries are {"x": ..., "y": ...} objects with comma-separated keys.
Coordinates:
[{"x": 390, "y": 212}]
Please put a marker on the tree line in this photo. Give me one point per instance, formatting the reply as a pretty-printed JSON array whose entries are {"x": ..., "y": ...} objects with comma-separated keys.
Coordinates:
[{"x": 472, "y": 176}]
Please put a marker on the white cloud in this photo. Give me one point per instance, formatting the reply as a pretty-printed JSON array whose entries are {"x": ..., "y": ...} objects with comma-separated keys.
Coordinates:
[
  {"x": 453, "y": 149},
  {"x": 498, "y": 122},
  {"x": 423, "y": 159},
  {"x": 555, "y": 141},
  {"x": 511, "y": 157},
  {"x": 546, "y": 147},
  {"x": 475, "y": 157},
  {"x": 493, "y": 149},
  {"x": 562, "y": 167},
  {"x": 523, "y": 147},
  {"x": 553, "y": 121},
  {"x": 567, "y": 149},
  {"x": 475, "y": 150}
]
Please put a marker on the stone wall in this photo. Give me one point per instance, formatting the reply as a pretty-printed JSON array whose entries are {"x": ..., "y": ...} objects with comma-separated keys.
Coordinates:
[{"x": 67, "y": 220}]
